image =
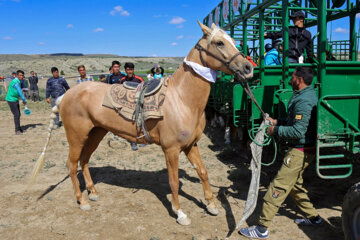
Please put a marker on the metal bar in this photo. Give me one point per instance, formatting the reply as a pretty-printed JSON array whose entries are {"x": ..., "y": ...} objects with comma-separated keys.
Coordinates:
[
  {"x": 332, "y": 156},
  {"x": 321, "y": 55},
  {"x": 261, "y": 43},
  {"x": 343, "y": 144},
  {"x": 335, "y": 166},
  {"x": 352, "y": 37},
  {"x": 285, "y": 29}
]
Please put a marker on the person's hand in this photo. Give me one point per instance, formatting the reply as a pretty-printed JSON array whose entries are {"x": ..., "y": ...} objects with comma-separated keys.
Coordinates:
[
  {"x": 273, "y": 121},
  {"x": 265, "y": 34},
  {"x": 270, "y": 130},
  {"x": 48, "y": 100},
  {"x": 24, "y": 103}
]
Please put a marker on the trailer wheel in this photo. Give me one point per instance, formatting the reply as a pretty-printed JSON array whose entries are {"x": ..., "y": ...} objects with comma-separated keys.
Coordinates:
[{"x": 351, "y": 213}]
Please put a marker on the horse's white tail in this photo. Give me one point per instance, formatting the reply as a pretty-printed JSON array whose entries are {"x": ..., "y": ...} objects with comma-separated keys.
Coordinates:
[{"x": 41, "y": 160}]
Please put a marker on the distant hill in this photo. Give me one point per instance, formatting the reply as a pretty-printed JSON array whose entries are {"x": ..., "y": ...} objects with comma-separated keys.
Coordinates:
[
  {"x": 67, "y": 54},
  {"x": 68, "y": 63}
]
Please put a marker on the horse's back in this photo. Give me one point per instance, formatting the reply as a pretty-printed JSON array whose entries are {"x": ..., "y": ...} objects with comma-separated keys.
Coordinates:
[{"x": 83, "y": 99}]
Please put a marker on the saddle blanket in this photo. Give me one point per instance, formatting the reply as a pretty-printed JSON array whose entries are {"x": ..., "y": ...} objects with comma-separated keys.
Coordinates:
[{"x": 122, "y": 100}]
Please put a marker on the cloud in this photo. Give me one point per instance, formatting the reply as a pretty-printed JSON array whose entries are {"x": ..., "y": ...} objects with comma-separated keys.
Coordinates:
[
  {"x": 185, "y": 5},
  {"x": 41, "y": 43},
  {"x": 119, "y": 10},
  {"x": 15, "y": 0},
  {"x": 69, "y": 25},
  {"x": 173, "y": 44},
  {"x": 154, "y": 55},
  {"x": 358, "y": 15},
  {"x": 7, "y": 38},
  {"x": 98, "y": 30},
  {"x": 341, "y": 30},
  {"x": 191, "y": 37},
  {"x": 177, "y": 20},
  {"x": 180, "y": 37},
  {"x": 180, "y": 26}
]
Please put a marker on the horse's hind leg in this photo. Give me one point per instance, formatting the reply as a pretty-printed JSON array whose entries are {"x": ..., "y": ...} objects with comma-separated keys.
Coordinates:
[
  {"x": 194, "y": 156},
  {"x": 75, "y": 149},
  {"x": 172, "y": 163},
  {"x": 94, "y": 138}
]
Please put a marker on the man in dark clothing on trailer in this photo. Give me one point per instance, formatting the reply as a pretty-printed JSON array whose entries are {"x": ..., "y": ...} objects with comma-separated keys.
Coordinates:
[
  {"x": 55, "y": 87},
  {"x": 299, "y": 131},
  {"x": 299, "y": 39},
  {"x": 116, "y": 76},
  {"x": 34, "y": 89}
]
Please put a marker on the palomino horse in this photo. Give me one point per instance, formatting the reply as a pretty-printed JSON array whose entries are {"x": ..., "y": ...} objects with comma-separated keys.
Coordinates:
[{"x": 86, "y": 121}]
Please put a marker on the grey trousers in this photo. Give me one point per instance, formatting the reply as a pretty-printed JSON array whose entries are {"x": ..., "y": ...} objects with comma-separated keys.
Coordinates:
[
  {"x": 53, "y": 104},
  {"x": 34, "y": 95}
]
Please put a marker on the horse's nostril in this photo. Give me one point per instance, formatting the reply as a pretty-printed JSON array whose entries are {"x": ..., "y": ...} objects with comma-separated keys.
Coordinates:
[{"x": 247, "y": 68}]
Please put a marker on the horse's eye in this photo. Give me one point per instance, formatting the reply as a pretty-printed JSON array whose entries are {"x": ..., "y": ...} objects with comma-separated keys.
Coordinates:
[{"x": 219, "y": 43}]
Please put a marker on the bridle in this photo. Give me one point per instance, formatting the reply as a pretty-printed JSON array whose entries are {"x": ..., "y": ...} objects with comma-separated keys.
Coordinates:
[
  {"x": 227, "y": 64},
  {"x": 244, "y": 84}
]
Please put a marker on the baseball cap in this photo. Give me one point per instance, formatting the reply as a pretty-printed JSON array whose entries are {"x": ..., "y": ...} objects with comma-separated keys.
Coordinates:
[{"x": 297, "y": 14}]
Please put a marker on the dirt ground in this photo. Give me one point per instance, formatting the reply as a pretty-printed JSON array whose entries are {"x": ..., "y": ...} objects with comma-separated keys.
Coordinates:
[{"x": 134, "y": 190}]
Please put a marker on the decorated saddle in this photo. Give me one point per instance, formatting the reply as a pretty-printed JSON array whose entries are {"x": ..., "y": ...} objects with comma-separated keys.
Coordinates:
[{"x": 137, "y": 101}]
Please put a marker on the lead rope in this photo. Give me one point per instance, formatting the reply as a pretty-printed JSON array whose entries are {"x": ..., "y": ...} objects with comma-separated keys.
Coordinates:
[{"x": 259, "y": 140}]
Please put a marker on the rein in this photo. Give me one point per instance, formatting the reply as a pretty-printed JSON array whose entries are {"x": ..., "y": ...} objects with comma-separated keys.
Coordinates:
[{"x": 227, "y": 64}]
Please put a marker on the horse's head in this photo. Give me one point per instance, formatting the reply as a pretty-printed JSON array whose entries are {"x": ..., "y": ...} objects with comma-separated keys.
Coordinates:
[{"x": 218, "y": 52}]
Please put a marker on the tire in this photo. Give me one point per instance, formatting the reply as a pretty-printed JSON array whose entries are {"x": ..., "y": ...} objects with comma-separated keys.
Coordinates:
[{"x": 351, "y": 213}]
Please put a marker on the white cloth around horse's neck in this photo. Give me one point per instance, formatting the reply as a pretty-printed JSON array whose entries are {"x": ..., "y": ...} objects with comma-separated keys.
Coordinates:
[{"x": 207, "y": 73}]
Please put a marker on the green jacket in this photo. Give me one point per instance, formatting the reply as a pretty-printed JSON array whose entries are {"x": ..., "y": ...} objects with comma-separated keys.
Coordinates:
[
  {"x": 299, "y": 127},
  {"x": 14, "y": 91}
]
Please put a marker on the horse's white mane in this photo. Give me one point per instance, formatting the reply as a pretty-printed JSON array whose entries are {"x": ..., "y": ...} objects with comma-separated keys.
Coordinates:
[{"x": 217, "y": 30}]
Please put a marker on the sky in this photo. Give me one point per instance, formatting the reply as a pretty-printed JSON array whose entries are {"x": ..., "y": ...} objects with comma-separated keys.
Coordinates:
[{"x": 122, "y": 27}]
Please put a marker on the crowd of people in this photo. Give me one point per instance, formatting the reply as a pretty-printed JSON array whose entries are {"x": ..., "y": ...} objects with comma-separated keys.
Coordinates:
[{"x": 56, "y": 86}]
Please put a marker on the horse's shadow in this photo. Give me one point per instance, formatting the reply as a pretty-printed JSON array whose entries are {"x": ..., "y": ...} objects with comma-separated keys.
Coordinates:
[{"x": 156, "y": 182}]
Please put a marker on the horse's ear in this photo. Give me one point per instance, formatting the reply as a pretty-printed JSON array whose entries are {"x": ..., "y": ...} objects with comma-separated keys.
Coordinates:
[
  {"x": 207, "y": 31},
  {"x": 213, "y": 26}
]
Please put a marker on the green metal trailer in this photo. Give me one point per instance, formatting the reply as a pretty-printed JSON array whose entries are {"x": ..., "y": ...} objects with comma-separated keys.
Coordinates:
[{"x": 337, "y": 81}]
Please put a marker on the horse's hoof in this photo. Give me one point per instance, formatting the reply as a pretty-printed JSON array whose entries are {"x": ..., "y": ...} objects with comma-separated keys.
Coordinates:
[
  {"x": 213, "y": 211},
  {"x": 184, "y": 221},
  {"x": 85, "y": 207},
  {"x": 94, "y": 198}
]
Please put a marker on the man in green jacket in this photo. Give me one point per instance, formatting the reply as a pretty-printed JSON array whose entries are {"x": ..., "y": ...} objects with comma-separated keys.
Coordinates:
[
  {"x": 299, "y": 131},
  {"x": 12, "y": 98}
]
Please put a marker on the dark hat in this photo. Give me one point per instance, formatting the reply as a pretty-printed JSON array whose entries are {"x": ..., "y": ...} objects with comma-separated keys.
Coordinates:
[
  {"x": 276, "y": 43},
  {"x": 297, "y": 14},
  {"x": 13, "y": 72},
  {"x": 268, "y": 47}
]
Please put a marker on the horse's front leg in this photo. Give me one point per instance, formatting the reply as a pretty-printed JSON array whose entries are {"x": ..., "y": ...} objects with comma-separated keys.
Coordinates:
[
  {"x": 172, "y": 163},
  {"x": 194, "y": 156}
]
